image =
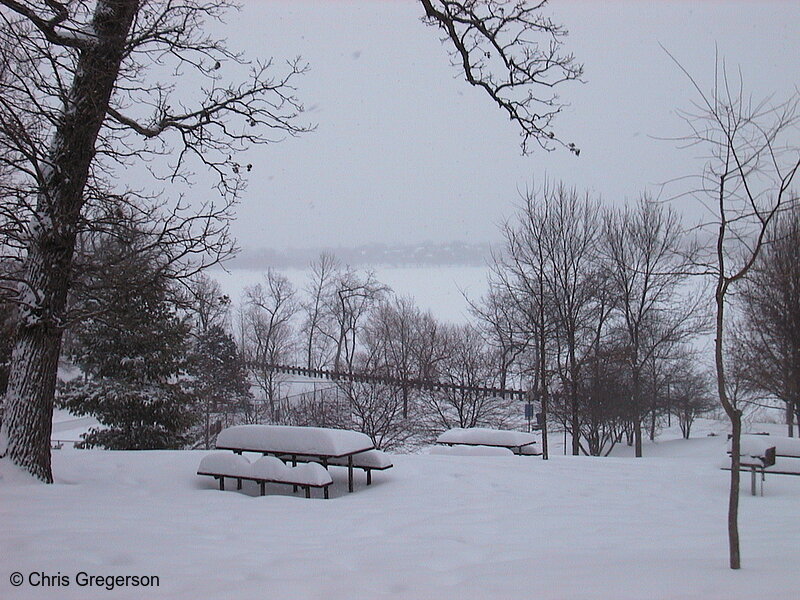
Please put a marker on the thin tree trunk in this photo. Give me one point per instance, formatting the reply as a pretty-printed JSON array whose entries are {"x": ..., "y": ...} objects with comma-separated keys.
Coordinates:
[
  {"x": 735, "y": 417},
  {"x": 637, "y": 415},
  {"x": 543, "y": 385}
]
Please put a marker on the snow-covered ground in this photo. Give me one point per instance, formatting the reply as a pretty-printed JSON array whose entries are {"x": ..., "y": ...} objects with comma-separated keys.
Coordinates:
[{"x": 443, "y": 527}]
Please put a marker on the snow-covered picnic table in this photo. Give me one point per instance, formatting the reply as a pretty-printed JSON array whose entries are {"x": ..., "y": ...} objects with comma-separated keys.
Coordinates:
[
  {"x": 765, "y": 454},
  {"x": 306, "y": 444},
  {"x": 518, "y": 442}
]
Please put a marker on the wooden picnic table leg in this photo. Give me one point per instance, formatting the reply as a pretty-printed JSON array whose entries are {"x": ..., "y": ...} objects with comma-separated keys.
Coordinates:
[
  {"x": 294, "y": 464},
  {"x": 308, "y": 491},
  {"x": 326, "y": 492},
  {"x": 263, "y": 486},
  {"x": 350, "y": 473},
  {"x": 369, "y": 476},
  {"x": 238, "y": 483},
  {"x": 222, "y": 484}
]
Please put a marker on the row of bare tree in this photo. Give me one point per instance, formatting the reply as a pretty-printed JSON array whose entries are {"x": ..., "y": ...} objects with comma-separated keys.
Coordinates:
[
  {"x": 593, "y": 304},
  {"x": 346, "y": 320},
  {"x": 597, "y": 319}
]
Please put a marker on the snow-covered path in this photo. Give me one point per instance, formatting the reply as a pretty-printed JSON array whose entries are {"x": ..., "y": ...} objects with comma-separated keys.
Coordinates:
[{"x": 444, "y": 527}]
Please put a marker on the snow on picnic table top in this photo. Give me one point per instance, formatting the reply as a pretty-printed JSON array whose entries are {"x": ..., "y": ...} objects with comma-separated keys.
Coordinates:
[
  {"x": 756, "y": 445},
  {"x": 286, "y": 439},
  {"x": 486, "y": 437}
]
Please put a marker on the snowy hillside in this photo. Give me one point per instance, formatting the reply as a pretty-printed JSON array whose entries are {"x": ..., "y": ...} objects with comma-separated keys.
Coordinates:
[{"x": 444, "y": 527}]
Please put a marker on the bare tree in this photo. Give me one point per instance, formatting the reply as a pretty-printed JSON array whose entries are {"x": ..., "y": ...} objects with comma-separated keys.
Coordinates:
[
  {"x": 466, "y": 363},
  {"x": 570, "y": 246},
  {"x": 604, "y": 395},
  {"x": 76, "y": 104},
  {"x": 647, "y": 265},
  {"x": 402, "y": 343},
  {"x": 690, "y": 394},
  {"x": 512, "y": 51},
  {"x": 380, "y": 410},
  {"x": 522, "y": 273},
  {"x": 503, "y": 326},
  {"x": 353, "y": 297},
  {"x": 207, "y": 304},
  {"x": 317, "y": 319},
  {"x": 767, "y": 341},
  {"x": 267, "y": 329},
  {"x": 750, "y": 164}
]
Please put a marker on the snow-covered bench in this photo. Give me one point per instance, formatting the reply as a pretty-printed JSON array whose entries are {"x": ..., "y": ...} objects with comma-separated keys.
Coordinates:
[
  {"x": 266, "y": 469},
  {"x": 369, "y": 461},
  {"x": 306, "y": 445},
  {"x": 517, "y": 441}
]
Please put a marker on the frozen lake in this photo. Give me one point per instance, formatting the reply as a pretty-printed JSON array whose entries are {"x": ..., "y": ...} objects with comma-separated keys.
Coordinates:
[{"x": 439, "y": 289}]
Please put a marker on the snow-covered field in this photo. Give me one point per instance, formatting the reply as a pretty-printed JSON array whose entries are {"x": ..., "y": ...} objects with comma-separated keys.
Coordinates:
[{"x": 438, "y": 527}]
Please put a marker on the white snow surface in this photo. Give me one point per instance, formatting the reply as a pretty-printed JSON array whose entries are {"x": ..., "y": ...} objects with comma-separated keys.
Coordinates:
[
  {"x": 272, "y": 468},
  {"x": 443, "y": 527},
  {"x": 286, "y": 439},
  {"x": 310, "y": 473},
  {"x": 225, "y": 463},
  {"x": 486, "y": 437},
  {"x": 460, "y": 450},
  {"x": 374, "y": 459},
  {"x": 269, "y": 467}
]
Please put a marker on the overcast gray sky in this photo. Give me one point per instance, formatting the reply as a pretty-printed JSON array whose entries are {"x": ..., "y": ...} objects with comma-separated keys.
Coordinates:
[{"x": 406, "y": 151}]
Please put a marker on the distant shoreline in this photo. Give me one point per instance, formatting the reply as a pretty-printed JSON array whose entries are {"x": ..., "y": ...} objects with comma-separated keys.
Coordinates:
[{"x": 450, "y": 254}]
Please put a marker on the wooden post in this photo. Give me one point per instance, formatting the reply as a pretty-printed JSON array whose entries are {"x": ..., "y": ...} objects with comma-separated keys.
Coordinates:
[
  {"x": 350, "y": 473},
  {"x": 238, "y": 483},
  {"x": 326, "y": 492},
  {"x": 263, "y": 486},
  {"x": 308, "y": 491},
  {"x": 294, "y": 464},
  {"x": 222, "y": 483},
  {"x": 753, "y": 480},
  {"x": 369, "y": 476}
]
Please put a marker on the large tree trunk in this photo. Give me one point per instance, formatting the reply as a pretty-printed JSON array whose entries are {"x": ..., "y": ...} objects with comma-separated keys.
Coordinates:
[{"x": 25, "y": 434}]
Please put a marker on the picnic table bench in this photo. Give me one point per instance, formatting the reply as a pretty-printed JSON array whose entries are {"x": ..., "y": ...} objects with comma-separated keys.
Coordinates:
[
  {"x": 517, "y": 441},
  {"x": 760, "y": 453},
  {"x": 266, "y": 469},
  {"x": 328, "y": 447}
]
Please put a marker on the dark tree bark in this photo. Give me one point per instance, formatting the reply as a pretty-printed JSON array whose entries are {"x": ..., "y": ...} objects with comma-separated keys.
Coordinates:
[
  {"x": 26, "y": 426},
  {"x": 63, "y": 122}
]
